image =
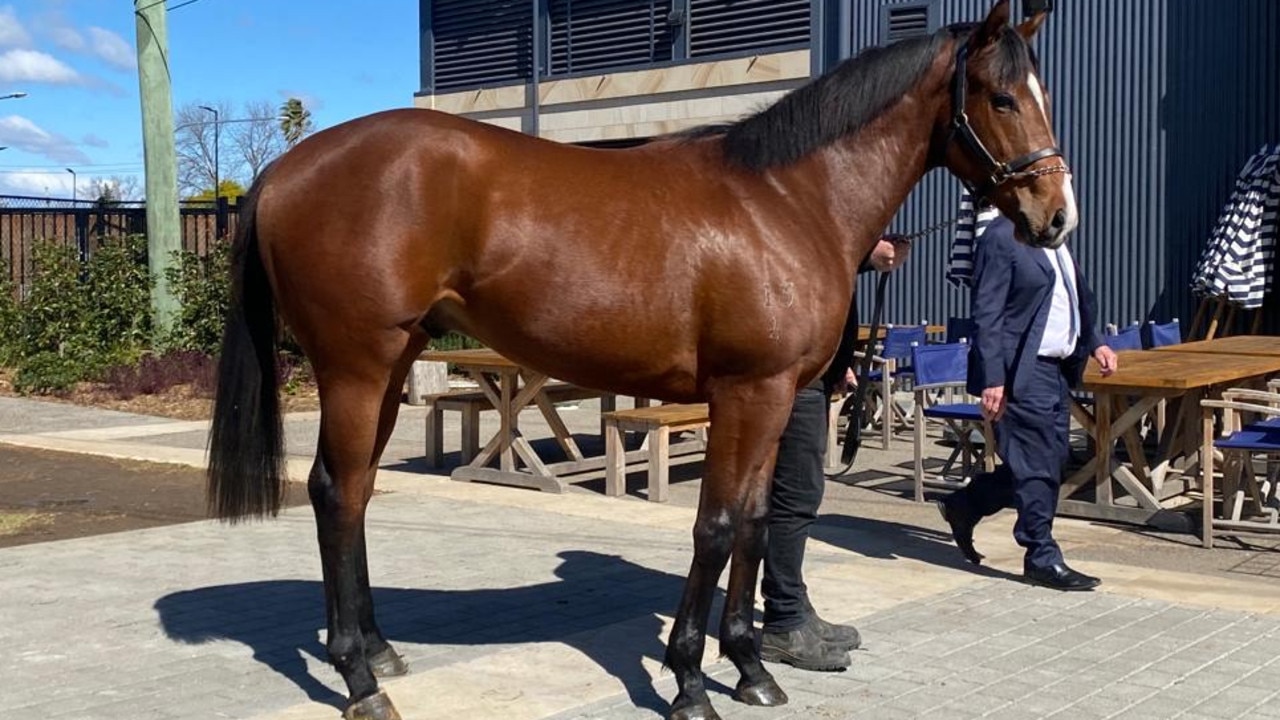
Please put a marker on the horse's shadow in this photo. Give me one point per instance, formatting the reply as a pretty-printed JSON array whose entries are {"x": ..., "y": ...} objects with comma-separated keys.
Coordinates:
[{"x": 283, "y": 621}]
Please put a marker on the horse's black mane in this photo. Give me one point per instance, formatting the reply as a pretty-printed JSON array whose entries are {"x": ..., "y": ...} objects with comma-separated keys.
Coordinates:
[{"x": 848, "y": 97}]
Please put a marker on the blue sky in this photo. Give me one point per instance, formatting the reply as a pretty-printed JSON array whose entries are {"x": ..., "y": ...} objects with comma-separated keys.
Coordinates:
[{"x": 76, "y": 60}]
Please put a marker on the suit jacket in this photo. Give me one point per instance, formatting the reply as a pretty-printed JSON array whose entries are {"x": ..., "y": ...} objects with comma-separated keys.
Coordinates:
[{"x": 1010, "y": 301}]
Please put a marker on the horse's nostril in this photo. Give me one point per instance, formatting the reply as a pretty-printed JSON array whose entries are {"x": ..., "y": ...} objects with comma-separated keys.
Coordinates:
[{"x": 1059, "y": 220}]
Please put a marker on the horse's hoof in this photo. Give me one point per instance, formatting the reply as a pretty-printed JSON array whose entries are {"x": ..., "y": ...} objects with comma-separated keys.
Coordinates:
[
  {"x": 767, "y": 692},
  {"x": 694, "y": 712},
  {"x": 388, "y": 663},
  {"x": 375, "y": 707}
]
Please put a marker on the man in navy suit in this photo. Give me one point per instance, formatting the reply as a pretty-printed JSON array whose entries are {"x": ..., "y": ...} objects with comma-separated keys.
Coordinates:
[{"x": 1035, "y": 331}]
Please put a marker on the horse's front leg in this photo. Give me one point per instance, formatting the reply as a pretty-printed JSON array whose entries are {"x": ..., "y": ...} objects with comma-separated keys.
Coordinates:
[{"x": 746, "y": 420}]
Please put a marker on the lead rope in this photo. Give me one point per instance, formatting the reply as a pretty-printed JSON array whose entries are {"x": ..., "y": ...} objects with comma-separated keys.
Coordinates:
[{"x": 855, "y": 404}]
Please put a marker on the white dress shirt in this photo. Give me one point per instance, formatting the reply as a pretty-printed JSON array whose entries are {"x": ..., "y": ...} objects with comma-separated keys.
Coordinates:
[{"x": 1062, "y": 329}]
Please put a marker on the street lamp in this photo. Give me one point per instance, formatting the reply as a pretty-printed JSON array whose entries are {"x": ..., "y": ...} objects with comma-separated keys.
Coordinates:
[
  {"x": 73, "y": 185},
  {"x": 13, "y": 96},
  {"x": 217, "y": 179}
]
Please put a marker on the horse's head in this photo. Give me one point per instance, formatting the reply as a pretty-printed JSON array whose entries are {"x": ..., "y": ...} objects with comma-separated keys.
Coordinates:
[{"x": 999, "y": 132}]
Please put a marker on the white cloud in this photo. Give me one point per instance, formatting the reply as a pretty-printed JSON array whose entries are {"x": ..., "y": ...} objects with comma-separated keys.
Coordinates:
[
  {"x": 20, "y": 133},
  {"x": 94, "y": 141},
  {"x": 12, "y": 33},
  {"x": 67, "y": 38},
  {"x": 113, "y": 49},
  {"x": 36, "y": 183},
  {"x": 35, "y": 66}
]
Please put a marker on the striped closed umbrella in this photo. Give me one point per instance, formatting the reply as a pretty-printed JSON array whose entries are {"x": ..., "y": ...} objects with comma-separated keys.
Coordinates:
[
  {"x": 1237, "y": 261},
  {"x": 970, "y": 224}
]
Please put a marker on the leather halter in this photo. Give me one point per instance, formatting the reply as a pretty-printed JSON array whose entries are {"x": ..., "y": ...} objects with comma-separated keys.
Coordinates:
[{"x": 998, "y": 173}]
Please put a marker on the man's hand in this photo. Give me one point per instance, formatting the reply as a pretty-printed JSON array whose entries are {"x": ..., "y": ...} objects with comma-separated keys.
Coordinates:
[
  {"x": 1107, "y": 360},
  {"x": 993, "y": 403},
  {"x": 850, "y": 378},
  {"x": 890, "y": 253}
]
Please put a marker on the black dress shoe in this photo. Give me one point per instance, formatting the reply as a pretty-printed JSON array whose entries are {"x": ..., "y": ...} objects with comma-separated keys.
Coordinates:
[
  {"x": 962, "y": 525},
  {"x": 803, "y": 648},
  {"x": 1059, "y": 577}
]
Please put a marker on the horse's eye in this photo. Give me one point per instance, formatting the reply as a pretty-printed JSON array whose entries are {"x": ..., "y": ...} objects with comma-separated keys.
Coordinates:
[{"x": 1004, "y": 102}]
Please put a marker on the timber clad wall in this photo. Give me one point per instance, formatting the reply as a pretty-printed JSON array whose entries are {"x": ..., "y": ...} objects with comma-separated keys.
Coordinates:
[{"x": 1158, "y": 103}]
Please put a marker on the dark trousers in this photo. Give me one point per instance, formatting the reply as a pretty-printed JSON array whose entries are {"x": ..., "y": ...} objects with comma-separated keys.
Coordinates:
[
  {"x": 1032, "y": 438},
  {"x": 798, "y": 483}
]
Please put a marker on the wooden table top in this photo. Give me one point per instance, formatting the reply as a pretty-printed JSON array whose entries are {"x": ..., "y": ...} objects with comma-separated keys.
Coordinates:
[
  {"x": 864, "y": 331},
  {"x": 1157, "y": 371},
  {"x": 1266, "y": 345},
  {"x": 482, "y": 359}
]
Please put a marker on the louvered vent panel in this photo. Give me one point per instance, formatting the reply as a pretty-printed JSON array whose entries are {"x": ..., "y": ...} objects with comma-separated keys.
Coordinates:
[
  {"x": 724, "y": 27},
  {"x": 480, "y": 42},
  {"x": 600, "y": 34}
]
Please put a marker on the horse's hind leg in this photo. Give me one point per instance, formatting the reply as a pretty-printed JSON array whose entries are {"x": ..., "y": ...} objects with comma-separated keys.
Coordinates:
[
  {"x": 747, "y": 420},
  {"x": 358, "y": 400}
]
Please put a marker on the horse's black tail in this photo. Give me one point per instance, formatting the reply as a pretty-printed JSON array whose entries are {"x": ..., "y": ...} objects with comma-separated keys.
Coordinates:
[{"x": 246, "y": 450}]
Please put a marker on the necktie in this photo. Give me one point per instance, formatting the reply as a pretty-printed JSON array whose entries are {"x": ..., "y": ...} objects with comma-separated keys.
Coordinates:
[{"x": 1071, "y": 291}]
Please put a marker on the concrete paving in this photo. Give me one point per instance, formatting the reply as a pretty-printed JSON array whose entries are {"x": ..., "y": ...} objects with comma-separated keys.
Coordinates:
[{"x": 516, "y": 604}]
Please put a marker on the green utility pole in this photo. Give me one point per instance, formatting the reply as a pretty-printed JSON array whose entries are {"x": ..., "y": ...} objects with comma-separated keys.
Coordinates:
[{"x": 163, "y": 226}]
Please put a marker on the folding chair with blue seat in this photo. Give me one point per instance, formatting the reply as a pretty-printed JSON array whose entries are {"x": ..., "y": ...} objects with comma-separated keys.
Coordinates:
[
  {"x": 1247, "y": 504},
  {"x": 940, "y": 374},
  {"x": 892, "y": 367},
  {"x": 1160, "y": 335},
  {"x": 960, "y": 329},
  {"x": 1129, "y": 338}
]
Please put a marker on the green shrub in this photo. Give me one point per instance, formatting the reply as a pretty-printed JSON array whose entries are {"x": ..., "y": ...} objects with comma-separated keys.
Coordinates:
[
  {"x": 203, "y": 288},
  {"x": 81, "y": 317},
  {"x": 47, "y": 372},
  {"x": 10, "y": 318},
  {"x": 118, "y": 283},
  {"x": 454, "y": 341}
]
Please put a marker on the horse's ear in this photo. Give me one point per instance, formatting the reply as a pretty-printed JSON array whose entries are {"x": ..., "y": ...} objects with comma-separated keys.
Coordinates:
[
  {"x": 997, "y": 20},
  {"x": 1031, "y": 25}
]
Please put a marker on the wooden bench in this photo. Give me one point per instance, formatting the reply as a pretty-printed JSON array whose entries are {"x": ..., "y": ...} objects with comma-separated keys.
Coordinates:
[
  {"x": 658, "y": 423},
  {"x": 471, "y": 402}
]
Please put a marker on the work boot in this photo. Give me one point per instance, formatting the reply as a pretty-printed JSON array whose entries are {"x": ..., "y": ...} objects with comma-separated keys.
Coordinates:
[
  {"x": 804, "y": 648},
  {"x": 843, "y": 636}
]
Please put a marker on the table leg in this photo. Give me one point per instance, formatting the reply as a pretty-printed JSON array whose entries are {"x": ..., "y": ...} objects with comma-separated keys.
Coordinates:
[
  {"x": 1206, "y": 471},
  {"x": 1102, "y": 471}
]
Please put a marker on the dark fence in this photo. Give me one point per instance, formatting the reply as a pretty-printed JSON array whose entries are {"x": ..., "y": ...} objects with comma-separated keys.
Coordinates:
[{"x": 83, "y": 224}]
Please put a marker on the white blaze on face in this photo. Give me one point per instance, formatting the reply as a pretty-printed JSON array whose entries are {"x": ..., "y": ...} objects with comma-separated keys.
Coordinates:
[
  {"x": 1037, "y": 92},
  {"x": 1068, "y": 192}
]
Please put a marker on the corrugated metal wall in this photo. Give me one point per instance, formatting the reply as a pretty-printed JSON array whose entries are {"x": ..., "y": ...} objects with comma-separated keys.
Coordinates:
[{"x": 1158, "y": 104}]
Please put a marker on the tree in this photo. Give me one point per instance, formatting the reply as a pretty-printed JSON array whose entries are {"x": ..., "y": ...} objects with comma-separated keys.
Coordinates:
[
  {"x": 115, "y": 189},
  {"x": 229, "y": 189},
  {"x": 247, "y": 140},
  {"x": 256, "y": 139},
  {"x": 195, "y": 134},
  {"x": 295, "y": 121}
]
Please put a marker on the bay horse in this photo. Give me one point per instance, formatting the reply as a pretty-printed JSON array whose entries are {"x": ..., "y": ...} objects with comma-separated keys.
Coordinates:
[{"x": 711, "y": 266}]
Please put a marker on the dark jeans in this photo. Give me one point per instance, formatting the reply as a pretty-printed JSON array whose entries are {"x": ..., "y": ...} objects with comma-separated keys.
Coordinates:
[
  {"x": 798, "y": 483},
  {"x": 1032, "y": 437}
]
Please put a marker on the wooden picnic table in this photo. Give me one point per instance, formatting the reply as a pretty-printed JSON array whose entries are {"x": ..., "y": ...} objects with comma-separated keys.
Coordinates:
[
  {"x": 1263, "y": 345},
  {"x": 511, "y": 388},
  {"x": 1144, "y": 379}
]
